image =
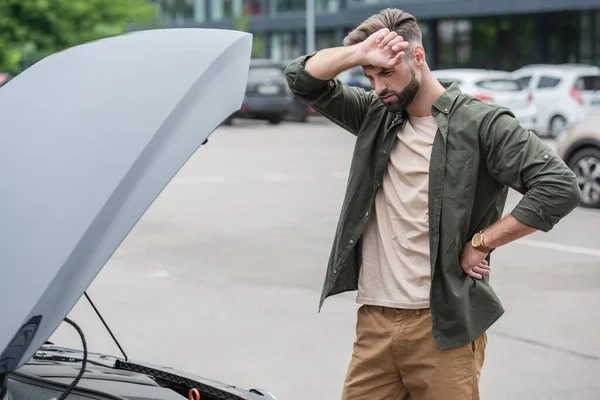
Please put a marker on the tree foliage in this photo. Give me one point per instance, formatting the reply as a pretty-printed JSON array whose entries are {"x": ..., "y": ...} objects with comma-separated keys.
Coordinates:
[
  {"x": 33, "y": 29},
  {"x": 241, "y": 23}
]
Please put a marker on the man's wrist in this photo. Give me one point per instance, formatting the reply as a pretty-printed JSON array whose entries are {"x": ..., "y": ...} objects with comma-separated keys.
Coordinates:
[
  {"x": 358, "y": 56},
  {"x": 480, "y": 242}
]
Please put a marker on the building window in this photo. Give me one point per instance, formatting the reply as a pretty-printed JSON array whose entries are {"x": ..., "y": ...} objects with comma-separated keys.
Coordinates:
[
  {"x": 325, "y": 39},
  {"x": 176, "y": 10},
  {"x": 425, "y": 37},
  {"x": 253, "y": 7},
  {"x": 285, "y": 46},
  {"x": 290, "y": 5},
  {"x": 462, "y": 38},
  {"x": 366, "y": 2},
  {"x": 563, "y": 37},
  {"x": 595, "y": 34},
  {"x": 586, "y": 43},
  {"x": 445, "y": 44},
  {"x": 327, "y": 6},
  {"x": 283, "y": 6},
  {"x": 222, "y": 9}
]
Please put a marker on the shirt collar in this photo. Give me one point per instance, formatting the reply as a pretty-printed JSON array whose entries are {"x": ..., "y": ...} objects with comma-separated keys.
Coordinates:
[{"x": 444, "y": 102}]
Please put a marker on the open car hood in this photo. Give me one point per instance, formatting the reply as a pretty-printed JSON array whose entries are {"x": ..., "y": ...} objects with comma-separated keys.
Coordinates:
[{"x": 89, "y": 137}]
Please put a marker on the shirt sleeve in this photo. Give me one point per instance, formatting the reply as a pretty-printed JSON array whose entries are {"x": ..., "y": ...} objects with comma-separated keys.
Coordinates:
[
  {"x": 519, "y": 159},
  {"x": 344, "y": 105}
]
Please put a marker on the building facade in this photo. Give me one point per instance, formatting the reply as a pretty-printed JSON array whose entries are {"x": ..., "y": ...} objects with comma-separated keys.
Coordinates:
[{"x": 456, "y": 33}]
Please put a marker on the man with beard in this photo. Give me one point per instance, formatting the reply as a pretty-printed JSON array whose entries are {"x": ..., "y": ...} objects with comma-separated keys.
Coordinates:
[{"x": 423, "y": 210}]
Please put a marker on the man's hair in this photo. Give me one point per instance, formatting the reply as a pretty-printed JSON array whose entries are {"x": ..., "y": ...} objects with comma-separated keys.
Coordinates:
[{"x": 401, "y": 22}]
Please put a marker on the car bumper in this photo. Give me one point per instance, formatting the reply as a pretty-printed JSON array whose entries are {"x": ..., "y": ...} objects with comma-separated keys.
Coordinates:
[{"x": 281, "y": 104}]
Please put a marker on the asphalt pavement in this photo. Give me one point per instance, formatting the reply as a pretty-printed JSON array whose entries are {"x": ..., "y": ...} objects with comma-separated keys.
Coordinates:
[{"x": 222, "y": 277}]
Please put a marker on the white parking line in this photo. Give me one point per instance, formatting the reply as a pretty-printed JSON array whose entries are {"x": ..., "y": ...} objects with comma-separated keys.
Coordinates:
[
  {"x": 278, "y": 177},
  {"x": 559, "y": 247},
  {"x": 185, "y": 180},
  {"x": 157, "y": 274}
]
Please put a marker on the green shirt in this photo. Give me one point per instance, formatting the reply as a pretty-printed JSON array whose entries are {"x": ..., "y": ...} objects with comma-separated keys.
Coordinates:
[{"x": 480, "y": 151}]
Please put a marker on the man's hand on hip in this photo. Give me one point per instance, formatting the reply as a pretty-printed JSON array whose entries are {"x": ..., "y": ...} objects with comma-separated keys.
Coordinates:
[{"x": 473, "y": 262}]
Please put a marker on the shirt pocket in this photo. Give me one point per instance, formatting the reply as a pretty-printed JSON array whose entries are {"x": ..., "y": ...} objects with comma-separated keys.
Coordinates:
[{"x": 458, "y": 178}]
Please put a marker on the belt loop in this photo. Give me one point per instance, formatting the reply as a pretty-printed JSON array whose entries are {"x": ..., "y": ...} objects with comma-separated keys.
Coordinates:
[{"x": 418, "y": 311}]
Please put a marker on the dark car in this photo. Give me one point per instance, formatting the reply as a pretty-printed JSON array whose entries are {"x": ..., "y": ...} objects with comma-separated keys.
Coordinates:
[
  {"x": 267, "y": 94},
  {"x": 87, "y": 157},
  {"x": 352, "y": 77}
]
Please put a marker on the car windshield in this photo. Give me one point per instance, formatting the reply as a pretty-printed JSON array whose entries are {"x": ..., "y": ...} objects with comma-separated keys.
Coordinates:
[{"x": 500, "y": 85}]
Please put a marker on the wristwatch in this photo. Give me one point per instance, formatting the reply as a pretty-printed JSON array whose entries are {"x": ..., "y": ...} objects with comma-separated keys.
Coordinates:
[{"x": 479, "y": 243}]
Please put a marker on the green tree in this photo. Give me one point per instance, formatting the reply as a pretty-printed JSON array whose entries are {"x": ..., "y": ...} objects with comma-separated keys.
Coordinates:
[
  {"x": 33, "y": 29},
  {"x": 241, "y": 24}
]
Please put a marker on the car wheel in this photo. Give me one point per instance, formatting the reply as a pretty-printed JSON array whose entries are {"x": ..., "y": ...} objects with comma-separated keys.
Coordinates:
[
  {"x": 586, "y": 165},
  {"x": 274, "y": 120},
  {"x": 302, "y": 118},
  {"x": 558, "y": 124}
]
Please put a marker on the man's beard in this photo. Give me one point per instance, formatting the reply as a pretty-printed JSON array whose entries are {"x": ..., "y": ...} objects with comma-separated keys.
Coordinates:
[{"x": 403, "y": 98}]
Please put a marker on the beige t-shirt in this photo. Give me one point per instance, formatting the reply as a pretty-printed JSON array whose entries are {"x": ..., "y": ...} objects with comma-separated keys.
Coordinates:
[{"x": 395, "y": 262}]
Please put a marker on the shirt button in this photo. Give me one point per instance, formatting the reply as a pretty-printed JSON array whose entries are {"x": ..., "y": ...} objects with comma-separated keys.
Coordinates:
[
  {"x": 367, "y": 214},
  {"x": 546, "y": 156},
  {"x": 335, "y": 271},
  {"x": 351, "y": 241},
  {"x": 445, "y": 110}
]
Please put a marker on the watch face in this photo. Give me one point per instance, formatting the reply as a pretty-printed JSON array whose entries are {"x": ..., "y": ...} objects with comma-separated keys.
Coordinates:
[{"x": 476, "y": 241}]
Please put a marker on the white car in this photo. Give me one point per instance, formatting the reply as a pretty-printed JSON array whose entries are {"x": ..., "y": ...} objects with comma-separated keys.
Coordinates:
[
  {"x": 563, "y": 94},
  {"x": 496, "y": 87}
]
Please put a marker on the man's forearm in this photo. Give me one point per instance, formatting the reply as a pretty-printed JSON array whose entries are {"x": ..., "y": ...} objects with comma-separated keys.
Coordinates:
[
  {"x": 328, "y": 63},
  {"x": 507, "y": 230}
]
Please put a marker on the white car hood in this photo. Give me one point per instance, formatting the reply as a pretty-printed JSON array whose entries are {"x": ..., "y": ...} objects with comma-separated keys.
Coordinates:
[{"x": 89, "y": 137}]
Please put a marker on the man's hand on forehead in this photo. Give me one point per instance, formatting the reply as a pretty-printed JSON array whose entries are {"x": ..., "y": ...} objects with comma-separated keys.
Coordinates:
[
  {"x": 390, "y": 41},
  {"x": 383, "y": 49}
]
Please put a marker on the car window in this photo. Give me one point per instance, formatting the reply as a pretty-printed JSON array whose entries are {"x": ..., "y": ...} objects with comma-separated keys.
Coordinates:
[
  {"x": 524, "y": 81},
  {"x": 261, "y": 74},
  {"x": 588, "y": 83},
  {"x": 548, "y": 82},
  {"x": 500, "y": 85}
]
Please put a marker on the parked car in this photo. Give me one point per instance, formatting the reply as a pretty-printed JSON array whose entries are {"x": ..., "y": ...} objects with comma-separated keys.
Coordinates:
[
  {"x": 579, "y": 147},
  {"x": 563, "y": 94},
  {"x": 355, "y": 77},
  {"x": 299, "y": 111},
  {"x": 497, "y": 87},
  {"x": 82, "y": 166},
  {"x": 268, "y": 96},
  {"x": 352, "y": 77}
]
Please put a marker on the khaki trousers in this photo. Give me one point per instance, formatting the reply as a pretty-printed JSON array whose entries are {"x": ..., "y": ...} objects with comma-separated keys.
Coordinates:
[{"x": 394, "y": 358}]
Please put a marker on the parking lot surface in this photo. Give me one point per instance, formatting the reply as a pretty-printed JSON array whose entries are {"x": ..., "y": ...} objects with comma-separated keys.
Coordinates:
[{"x": 222, "y": 277}]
